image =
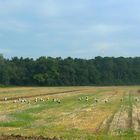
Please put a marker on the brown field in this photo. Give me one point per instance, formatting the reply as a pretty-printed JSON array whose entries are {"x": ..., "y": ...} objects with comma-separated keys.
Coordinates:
[{"x": 102, "y": 113}]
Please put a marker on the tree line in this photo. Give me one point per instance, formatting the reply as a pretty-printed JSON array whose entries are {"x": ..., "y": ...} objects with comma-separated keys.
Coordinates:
[{"x": 48, "y": 71}]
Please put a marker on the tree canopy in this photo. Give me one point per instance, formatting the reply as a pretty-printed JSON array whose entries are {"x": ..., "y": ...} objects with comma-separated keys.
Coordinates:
[{"x": 48, "y": 71}]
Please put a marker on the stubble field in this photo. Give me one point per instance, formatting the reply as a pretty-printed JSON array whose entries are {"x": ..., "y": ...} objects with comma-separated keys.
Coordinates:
[{"x": 84, "y": 113}]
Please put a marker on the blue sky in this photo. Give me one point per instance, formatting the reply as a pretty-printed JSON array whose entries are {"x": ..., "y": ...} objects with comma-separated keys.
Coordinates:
[{"x": 76, "y": 28}]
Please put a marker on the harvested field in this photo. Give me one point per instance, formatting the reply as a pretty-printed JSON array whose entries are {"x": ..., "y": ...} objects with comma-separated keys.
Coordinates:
[{"x": 102, "y": 113}]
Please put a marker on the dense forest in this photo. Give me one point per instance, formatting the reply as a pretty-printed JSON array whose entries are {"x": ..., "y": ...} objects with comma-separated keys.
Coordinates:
[{"x": 48, "y": 71}]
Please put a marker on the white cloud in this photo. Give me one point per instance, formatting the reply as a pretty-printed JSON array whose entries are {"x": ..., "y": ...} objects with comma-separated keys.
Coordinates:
[
  {"x": 49, "y": 8},
  {"x": 98, "y": 30},
  {"x": 103, "y": 29},
  {"x": 104, "y": 46},
  {"x": 5, "y": 51},
  {"x": 55, "y": 8}
]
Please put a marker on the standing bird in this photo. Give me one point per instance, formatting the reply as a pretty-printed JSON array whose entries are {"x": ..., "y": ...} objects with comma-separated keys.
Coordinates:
[
  {"x": 106, "y": 101},
  {"x": 80, "y": 99},
  {"x": 136, "y": 99},
  {"x": 58, "y": 101},
  {"x": 96, "y": 100},
  {"x": 86, "y": 98},
  {"x": 36, "y": 100},
  {"x": 15, "y": 101}
]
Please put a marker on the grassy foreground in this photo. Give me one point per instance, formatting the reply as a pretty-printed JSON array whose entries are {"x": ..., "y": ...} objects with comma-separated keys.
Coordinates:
[{"x": 102, "y": 113}]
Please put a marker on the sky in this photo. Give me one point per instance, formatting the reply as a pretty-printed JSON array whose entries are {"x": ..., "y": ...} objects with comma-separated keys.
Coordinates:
[{"x": 75, "y": 28}]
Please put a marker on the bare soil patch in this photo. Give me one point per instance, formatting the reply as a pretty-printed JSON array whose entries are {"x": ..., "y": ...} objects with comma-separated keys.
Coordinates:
[
  {"x": 18, "y": 137},
  {"x": 40, "y": 95}
]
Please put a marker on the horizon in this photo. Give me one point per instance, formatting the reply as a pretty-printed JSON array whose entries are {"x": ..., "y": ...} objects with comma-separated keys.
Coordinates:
[
  {"x": 28, "y": 57},
  {"x": 76, "y": 29}
]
